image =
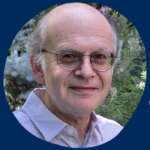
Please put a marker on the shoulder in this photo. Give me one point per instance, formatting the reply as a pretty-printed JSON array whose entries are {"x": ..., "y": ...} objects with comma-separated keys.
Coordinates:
[
  {"x": 26, "y": 122},
  {"x": 24, "y": 119},
  {"x": 108, "y": 127},
  {"x": 21, "y": 116},
  {"x": 105, "y": 121}
]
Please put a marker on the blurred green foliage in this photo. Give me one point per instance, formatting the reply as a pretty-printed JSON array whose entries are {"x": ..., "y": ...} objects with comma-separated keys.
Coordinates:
[{"x": 124, "y": 94}]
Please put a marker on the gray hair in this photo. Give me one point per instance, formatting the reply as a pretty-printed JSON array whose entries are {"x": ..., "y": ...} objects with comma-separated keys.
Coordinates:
[
  {"x": 38, "y": 38},
  {"x": 36, "y": 42},
  {"x": 117, "y": 45}
]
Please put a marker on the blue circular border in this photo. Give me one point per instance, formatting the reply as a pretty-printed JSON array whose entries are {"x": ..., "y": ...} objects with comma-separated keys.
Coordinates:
[{"x": 14, "y": 14}]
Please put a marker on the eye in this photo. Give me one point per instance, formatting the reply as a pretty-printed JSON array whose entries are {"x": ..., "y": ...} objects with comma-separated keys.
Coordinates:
[
  {"x": 68, "y": 56},
  {"x": 100, "y": 56}
]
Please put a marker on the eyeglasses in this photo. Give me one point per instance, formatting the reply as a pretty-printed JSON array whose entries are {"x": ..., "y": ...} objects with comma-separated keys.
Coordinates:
[{"x": 71, "y": 59}]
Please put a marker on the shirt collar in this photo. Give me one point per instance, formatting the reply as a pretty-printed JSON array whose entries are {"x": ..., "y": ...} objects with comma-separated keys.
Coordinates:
[
  {"x": 47, "y": 123},
  {"x": 94, "y": 124}
]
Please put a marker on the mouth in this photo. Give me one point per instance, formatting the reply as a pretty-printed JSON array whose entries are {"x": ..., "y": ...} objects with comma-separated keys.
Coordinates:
[{"x": 83, "y": 89}]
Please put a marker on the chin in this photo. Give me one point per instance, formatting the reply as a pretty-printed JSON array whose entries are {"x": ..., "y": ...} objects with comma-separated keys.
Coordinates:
[
  {"x": 84, "y": 107},
  {"x": 81, "y": 112}
]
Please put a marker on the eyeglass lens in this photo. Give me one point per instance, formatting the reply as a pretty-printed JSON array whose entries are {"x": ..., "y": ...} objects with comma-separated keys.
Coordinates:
[{"x": 71, "y": 59}]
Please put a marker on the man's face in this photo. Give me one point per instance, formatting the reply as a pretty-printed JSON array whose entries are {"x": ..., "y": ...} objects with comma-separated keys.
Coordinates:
[{"x": 83, "y": 89}]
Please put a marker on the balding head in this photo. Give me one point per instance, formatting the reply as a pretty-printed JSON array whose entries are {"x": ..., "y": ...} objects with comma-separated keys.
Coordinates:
[
  {"x": 68, "y": 17},
  {"x": 74, "y": 9}
]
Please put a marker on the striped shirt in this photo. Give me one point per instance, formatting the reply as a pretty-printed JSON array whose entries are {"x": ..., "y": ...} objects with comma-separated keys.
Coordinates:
[{"x": 39, "y": 121}]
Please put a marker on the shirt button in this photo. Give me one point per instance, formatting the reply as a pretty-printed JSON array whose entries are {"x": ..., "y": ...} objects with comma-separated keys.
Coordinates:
[
  {"x": 69, "y": 131},
  {"x": 58, "y": 137}
]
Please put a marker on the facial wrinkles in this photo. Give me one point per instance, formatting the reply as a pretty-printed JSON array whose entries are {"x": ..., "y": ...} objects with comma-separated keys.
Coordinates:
[
  {"x": 80, "y": 82},
  {"x": 84, "y": 35},
  {"x": 84, "y": 31},
  {"x": 84, "y": 47},
  {"x": 64, "y": 34},
  {"x": 75, "y": 39}
]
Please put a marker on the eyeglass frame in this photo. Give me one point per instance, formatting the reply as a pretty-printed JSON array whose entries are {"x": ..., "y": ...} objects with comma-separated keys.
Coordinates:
[{"x": 114, "y": 57}]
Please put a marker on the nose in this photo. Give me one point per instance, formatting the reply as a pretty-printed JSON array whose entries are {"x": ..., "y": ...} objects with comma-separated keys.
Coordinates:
[{"x": 85, "y": 69}]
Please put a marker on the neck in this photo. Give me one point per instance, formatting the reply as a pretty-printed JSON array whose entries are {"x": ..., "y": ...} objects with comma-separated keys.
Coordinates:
[{"x": 79, "y": 121}]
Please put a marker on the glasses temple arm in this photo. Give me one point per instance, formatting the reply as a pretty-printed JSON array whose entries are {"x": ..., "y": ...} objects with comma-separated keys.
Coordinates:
[{"x": 45, "y": 51}]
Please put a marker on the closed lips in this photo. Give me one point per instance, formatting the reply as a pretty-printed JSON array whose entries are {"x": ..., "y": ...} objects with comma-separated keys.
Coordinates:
[{"x": 81, "y": 87}]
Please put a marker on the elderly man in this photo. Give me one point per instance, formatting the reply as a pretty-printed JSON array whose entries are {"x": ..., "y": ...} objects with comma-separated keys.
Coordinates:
[{"x": 72, "y": 51}]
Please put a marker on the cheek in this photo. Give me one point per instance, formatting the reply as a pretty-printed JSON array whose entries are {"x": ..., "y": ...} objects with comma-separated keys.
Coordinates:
[
  {"x": 106, "y": 78},
  {"x": 57, "y": 81}
]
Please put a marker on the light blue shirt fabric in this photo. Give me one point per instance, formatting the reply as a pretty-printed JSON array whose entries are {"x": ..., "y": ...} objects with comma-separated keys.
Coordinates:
[{"x": 39, "y": 121}]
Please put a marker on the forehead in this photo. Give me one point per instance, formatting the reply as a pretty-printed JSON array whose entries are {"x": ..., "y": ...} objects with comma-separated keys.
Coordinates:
[{"x": 78, "y": 27}]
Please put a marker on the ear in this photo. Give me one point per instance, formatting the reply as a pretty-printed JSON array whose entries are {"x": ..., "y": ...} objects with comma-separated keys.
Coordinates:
[{"x": 37, "y": 71}]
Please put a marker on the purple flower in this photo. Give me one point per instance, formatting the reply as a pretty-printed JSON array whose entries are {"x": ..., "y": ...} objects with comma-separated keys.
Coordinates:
[
  {"x": 104, "y": 9},
  {"x": 149, "y": 102},
  {"x": 112, "y": 90},
  {"x": 126, "y": 75},
  {"x": 103, "y": 106},
  {"x": 113, "y": 18},
  {"x": 129, "y": 34}
]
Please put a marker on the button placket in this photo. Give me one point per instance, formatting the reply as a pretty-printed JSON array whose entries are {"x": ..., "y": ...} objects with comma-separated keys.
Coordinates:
[
  {"x": 70, "y": 131},
  {"x": 58, "y": 137}
]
